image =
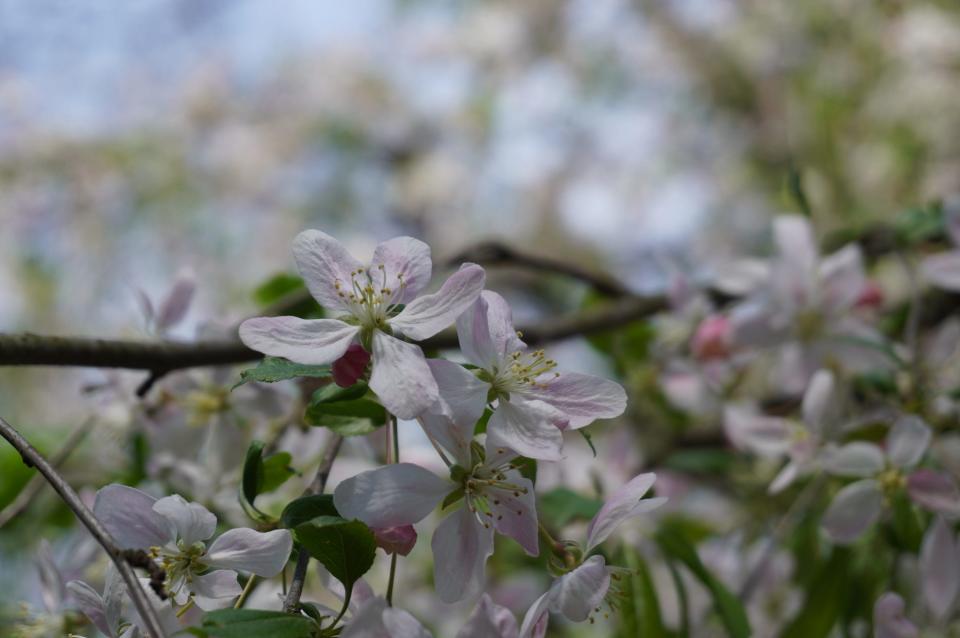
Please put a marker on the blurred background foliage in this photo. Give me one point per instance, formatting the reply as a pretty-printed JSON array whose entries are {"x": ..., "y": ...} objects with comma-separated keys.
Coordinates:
[{"x": 646, "y": 138}]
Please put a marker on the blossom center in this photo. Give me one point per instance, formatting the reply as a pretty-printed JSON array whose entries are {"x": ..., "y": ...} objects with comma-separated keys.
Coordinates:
[
  {"x": 524, "y": 370},
  {"x": 370, "y": 297}
]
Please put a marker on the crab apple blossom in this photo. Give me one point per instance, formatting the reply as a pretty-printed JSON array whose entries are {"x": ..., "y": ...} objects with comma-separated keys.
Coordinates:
[
  {"x": 487, "y": 491},
  {"x": 173, "y": 531},
  {"x": 884, "y": 472},
  {"x": 535, "y": 403},
  {"x": 373, "y": 304},
  {"x": 588, "y": 584},
  {"x": 943, "y": 269}
]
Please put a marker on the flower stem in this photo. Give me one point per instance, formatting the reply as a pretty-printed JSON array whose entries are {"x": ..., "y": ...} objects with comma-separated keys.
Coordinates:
[
  {"x": 246, "y": 591},
  {"x": 393, "y": 573},
  {"x": 393, "y": 456},
  {"x": 555, "y": 547}
]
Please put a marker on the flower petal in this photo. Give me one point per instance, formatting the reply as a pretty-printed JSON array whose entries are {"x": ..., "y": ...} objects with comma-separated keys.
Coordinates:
[
  {"x": 213, "y": 587},
  {"x": 451, "y": 436},
  {"x": 939, "y": 557},
  {"x": 247, "y": 550},
  {"x": 461, "y": 546},
  {"x": 193, "y": 521},
  {"x": 760, "y": 434},
  {"x": 578, "y": 593},
  {"x": 401, "y": 377},
  {"x": 174, "y": 306},
  {"x": 943, "y": 270},
  {"x": 307, "y": 341},
  {"x": 91, "y": 605},
  {"x": 323, "y": 261},
  {"x": 581, "y": 398},
  {"x": 537, "y": 617},
  {"x": 740, "y": 277},
  {"x": 401, "y": 624},
  {"x": 908, "y": 440},
  {"x": 127, "y": 513},
  {"x": 857, "y": 459},
  {"x": 427, "y": 315},
  {"x": 784, "y": 478},
  {"x": 842, "y": 278},
  {"x": 407, "y": 266},
  {"x": 525, "y": 429},
  {"x": 486, "y": 331},
  {"x": 390, "y": 496},
  {"x": 854, "y": 509},
  {"x": 935, "y": 491},
  {"x": 623, "y": 504},
  {"x": 797, "y": 257},
  {"x": 489, "y": 620},
  {"x": 463, "y": 395},
  {"x": 888, "y": 619},
  {"x": 516, "y": 516},
  {"x": 816, "y": 400}
]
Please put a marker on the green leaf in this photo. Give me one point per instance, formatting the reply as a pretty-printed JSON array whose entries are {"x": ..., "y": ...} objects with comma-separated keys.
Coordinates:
[
  {"x": 730, "y": 610},
  {"x": 906, "y": 525},
  {"x": 244, "y": 623},
  {"x": 797, "y": 192},
  {"x": 345, "y": 548},
  {"x": 562, "y": 505},
  {"x": 306, "y": 508},
  {"x": 262, "y": 474},
  {"x": 700, "y": 461},
  {"x": 273, "y": 369},
  {"x": 826, "y": 600},
  {"x": 277, "y": 287},
  {"x": 349, "y": 411},
  {"x": 640, "y": 615},
  {"x": 481, "y": 426}
]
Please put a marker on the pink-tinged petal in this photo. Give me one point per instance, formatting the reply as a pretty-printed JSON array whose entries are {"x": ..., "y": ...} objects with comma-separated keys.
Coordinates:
[
  {"x": 939, "y": 559},
  {"x": 427, "y": 315},
  {"x": 452, "y": 436},
  {"x": 935, "y": 491},
  {"x": 114, "y": 594},
  {"x": 463, "y": 395},
  {"x": 401, "y": 377},
  {"x": 91, "y": 606},
  {"x": 763, "y": 435},
  {"x": 951, "y": 219},
  {"x": 816, "y": 400},
  {"x": 213, "y": 587},
  {"x": 486, "y": 331},
  {"x": 713, "y": 338},
  {"x": 909, "y": 438},
  {"x": 193, "y": 521},
  {"x": 307, "y": 341},
  {"x": 857, "y": 459},
  {"x": 127, "y": 513},
  {"x": 537, "y": 618},
  {"x": 367, "y": 622},
  {"x": 461, "y": 546},
  {"x": 854, "y": 509},
  {"x": 525, "y": 429},
  {"x": 623, "y": 504},
  {"x": 51, "y": 580},
  {"x": 741, "y": 277},
  {"x": 943, "y": 270},
  {"x": 516, "y": 516},
  {"x": 784, "y": 478},
  {"x": 888, "y": 618},
  {"x": 390, "y": 496},
  {"x": 842, "y": 278},
  {"x": 401, "y": 624},
  {"x": 407, "y": 266},
  {"x": 349, "y": 368},
  {"x": 581, "y": 398},
  {"x": 396, "y": 540},
  {"x": 578, "y": 593},
  {"x": 174, "y": 306},
  {"x": 323, "y": 262},
  {"x": 489, "y": 620},
  {"x": 247, "y": 550},
  {"x": 755, "y": 324}
]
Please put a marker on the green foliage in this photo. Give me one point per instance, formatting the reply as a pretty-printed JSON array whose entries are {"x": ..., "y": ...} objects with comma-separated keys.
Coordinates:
[
  {"x": 640, "y": 614},
  {"x": 244, "y": 623},
  {"x": 905, "y": 525},
  {"x": 352, "y": 411},
  {"x": 700, "y": 461},
  {"x": 262, "y": 475},
  {"x": 561, "y": 505},
  {"x": 282, "y": 286},
  {"x": 273, "y": 369},
  {"x": 306, "y": 508},
  {"x": 626, "y": 346},
  {"x": 675, "y": 546},
  {"x": 827, "y": 597},
  {"x": 345, "y": 548}
]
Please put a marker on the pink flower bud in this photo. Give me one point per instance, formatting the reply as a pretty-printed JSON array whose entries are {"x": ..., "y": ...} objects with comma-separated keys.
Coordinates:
[
  {"x": 871, "y": 296},
  {"x": 396, "y": 540},
  {"x": 712, "y": 338},
  {"x": 348, "y": 369}
]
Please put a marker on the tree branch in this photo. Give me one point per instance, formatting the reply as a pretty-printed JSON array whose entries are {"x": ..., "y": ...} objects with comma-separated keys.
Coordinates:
[
  {"x": 292, "y": 602},
  {"x": 33, "y": 458}
]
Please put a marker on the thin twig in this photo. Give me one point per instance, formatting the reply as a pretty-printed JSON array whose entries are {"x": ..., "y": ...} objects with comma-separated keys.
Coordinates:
[
  {"x": 292, "y": 602},
  {"x": 33, "y": 487},
  {"x": 33, "y": 458}
]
